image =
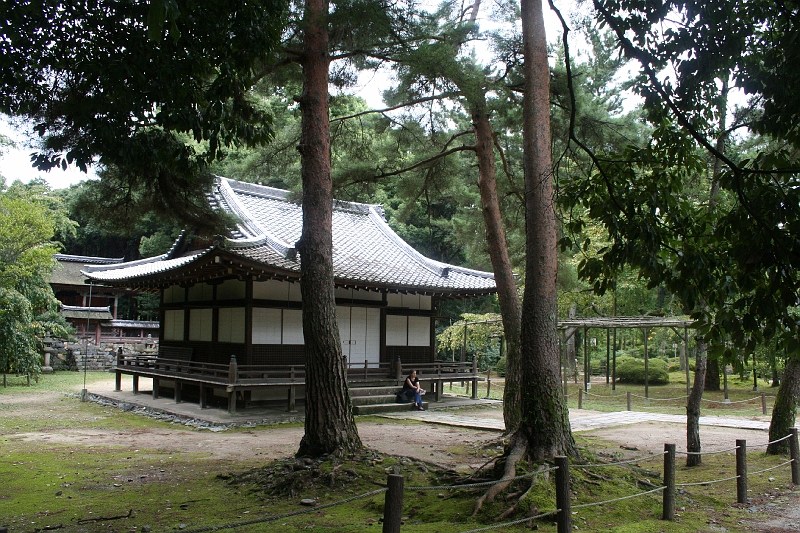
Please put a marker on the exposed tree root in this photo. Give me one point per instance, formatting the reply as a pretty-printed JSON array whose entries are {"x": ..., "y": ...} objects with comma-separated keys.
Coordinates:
[
  {"x": 518, "y": 449},
  {"x": 513, "y": 508},
  {"x": 105, "y": 518}
]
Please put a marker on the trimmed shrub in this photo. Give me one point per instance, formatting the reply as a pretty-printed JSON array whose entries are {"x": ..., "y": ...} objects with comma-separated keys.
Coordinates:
[
  {"x": 632, "y": 371},
  {"x": 500, "y": 367}
]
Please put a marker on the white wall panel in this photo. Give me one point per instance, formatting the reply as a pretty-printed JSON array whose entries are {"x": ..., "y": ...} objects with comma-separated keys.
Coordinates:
[
  {"x": 231, "y": 324},
  {"x": 419, "y": 331},
  {"x": 396, "y": 330},
  {"x": 267, "y": 326},
  {"x": 201, "y": 292},
  {"x": 200, "y": 325},
  {"x": 281, "y": 291},
  {"x": 173, "y": 325},
  {"x": 373, "y": 335},
  {"x": 343, "y": 321},
  {"x": 358, "y": 334},
  {"x": 293, "y": 326},
  {"x": 231, "y": 289},
  {"x": 174, "y": 294},
  {"x": 394, "y": 299}
]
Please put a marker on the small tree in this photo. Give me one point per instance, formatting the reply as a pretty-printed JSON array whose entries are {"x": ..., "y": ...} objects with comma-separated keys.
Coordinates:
[{"x": 28, "y": 307}]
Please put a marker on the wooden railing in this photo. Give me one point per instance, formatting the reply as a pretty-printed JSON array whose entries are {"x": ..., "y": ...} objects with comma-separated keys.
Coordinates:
[{"x": 175, "y": 364}]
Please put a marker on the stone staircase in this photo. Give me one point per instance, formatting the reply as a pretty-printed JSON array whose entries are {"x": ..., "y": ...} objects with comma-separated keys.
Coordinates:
[{"x": 375, "y": 398}]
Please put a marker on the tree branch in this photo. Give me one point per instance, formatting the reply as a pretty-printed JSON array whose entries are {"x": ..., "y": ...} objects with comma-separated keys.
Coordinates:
[
  {"x": 424, "y": 162},
  {"x": 398, "y": 106},
  {"x": 573, "y": 112}
]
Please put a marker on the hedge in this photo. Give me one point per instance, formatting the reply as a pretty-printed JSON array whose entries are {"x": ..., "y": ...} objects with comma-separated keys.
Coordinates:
[{"x": 632, "y": 371}]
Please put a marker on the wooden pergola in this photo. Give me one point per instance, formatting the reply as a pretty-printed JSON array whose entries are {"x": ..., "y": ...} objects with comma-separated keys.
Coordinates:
[{"x": 567, "y": 328}]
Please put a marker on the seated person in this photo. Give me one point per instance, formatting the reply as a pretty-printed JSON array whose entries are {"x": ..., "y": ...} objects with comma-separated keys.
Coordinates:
[{"x": 411, "y": 389}]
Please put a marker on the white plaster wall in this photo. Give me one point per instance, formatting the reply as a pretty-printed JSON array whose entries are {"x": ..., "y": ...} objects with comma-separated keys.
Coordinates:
[
  {"x": 419, "y": 331},
  {"x": 173, "y": 325},
  {"x": 293, "y": 326},
  {"x": 281, "y": 291},
  {"x": 231, "y": 289},
  {"x": 360, "y": 333},
  {"x": 267, "y": 326},
  {"x": 200, "y": 325},
  {"x": 409, "y": 301},
  {"x": 396, "y": 330},
  {"x": 174, "y": 294},
  {"x": 358, "y": 294},
  {"x": 231, "y": 325},
  {"x": 201, "y": 292}
]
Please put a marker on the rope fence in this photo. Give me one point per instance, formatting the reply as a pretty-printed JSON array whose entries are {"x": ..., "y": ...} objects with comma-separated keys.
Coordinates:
[
  {"x": 584, "y": 395},
  {"x": 394, "y": 490}
]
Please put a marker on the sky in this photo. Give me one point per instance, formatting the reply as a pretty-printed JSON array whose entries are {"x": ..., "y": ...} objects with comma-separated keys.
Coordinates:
[{"x": 15, "y": 163}]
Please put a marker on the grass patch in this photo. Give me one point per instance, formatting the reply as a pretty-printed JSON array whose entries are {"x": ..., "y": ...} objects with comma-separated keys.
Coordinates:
[{"x": 61, "y": 381}]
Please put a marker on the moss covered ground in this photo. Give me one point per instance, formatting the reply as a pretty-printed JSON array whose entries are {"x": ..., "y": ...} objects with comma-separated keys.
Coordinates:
[{"x": 84, "y": 487}]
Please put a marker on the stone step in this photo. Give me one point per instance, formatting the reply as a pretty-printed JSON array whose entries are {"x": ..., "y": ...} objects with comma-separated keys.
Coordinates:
[
  {"x": 384, "y": 408},
  {"x": 377, "y": 390},
  {"x": 374, "y": 399}
]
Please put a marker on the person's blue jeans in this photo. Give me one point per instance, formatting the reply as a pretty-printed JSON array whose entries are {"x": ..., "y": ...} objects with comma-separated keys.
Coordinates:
[{"x": 408, "y": 393}]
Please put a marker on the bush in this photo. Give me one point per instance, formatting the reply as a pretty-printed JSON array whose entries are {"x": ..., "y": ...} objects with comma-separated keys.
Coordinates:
[
  {"x": 632, "y": 371},
  {"x": 500, "y": 367}
]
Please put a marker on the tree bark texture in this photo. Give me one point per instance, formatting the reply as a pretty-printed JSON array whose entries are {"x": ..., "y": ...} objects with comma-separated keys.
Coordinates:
[
  {"x": 329, "y": 424},
  {"x": 693, "y": 407},
  {"x": 507, "y": 295},
  {"x": 545, "y": 418},
  {"x": 785, "y": 408},
  {"x": 712, "y": 375}
]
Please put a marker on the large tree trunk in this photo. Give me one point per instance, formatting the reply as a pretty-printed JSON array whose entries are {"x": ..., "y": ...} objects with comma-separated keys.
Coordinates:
[
  {"x": 693, "y": 407},
  {"x": 545, "y": 418},
  {"x": 785, "y": 409},
  {"x": 510, "y": 305},
  {"x": 329, "y": 424}
]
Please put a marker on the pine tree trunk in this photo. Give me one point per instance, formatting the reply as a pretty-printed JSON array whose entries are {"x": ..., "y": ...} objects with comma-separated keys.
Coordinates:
[
  {"x": 712, "y": 375},
  {"x": 545, "y": 417},
  {"x": 510, "y": 305},
  {"x": 329, "y": 424},
  {"x": 785, "y": 409},
  {"x": 693, "y": 407}
]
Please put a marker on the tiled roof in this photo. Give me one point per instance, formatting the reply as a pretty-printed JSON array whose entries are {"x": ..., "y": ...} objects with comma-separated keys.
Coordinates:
[
  {"x": 76, "y": 311},
  {"x": 366, "y": 251},
  {"x": 138, "y": 269},
  {"x": 68, "y": 268}
]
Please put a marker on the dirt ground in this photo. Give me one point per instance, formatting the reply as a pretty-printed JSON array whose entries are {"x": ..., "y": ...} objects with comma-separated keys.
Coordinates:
[
  {"x": 451, "y": 447},
  {"x": 448, "y": 446}
]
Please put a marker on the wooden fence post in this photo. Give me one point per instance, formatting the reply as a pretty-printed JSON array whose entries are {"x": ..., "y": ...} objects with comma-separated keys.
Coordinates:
[
  {"x": 564, "y": 519},
  {"x": 580, "y": 398},
  {"x": 475, "y": 379},
  {"x": 393, "y": 504},
  {"x": 668, "y": 505},
  {"x": 763, "y": 403},
  {"x": 292, "y": 400},
  {"x": 741, "y": 471},
  {"x": 118, "y": 376},
  {"x": 233, "y": 377},
  {"x": 629, "y": 400},
  {"x": 794, "y": 450}
]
